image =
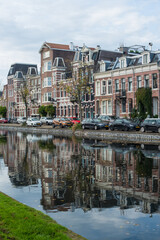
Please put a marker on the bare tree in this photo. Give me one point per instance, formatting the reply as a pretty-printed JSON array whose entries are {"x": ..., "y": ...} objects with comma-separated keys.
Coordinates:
[
  {"x": 78, "y": 86},
  {"x": 24, "y": 93}
]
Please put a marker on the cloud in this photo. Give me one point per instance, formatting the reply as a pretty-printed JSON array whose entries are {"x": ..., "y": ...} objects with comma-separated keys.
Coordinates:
[{"x": 25, "y": 25}]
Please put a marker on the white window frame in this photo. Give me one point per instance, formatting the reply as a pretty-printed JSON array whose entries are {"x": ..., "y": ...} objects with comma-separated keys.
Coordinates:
[
  {"x": 139, "y": 80},
  {"x": 145, "y": 58},
  {"x": 98, "y": 88},
  {"x": 109, "y": 87},
  {"x": 146, "y": 79},
  {"x": 156, "y": 81},
  {"x": 46, "y": 96},
  {"x": 122, "y": 63},
  {"x": 103, "y": 87},
  {"x": 116, "y": 84},
  {"x": 109, "y": 107},
  {"x": 104, "y": 107},
  {"x": 46, "y": 82},
  {"x": 47, "y": 66},
  {"x": 130, "y": 84}
]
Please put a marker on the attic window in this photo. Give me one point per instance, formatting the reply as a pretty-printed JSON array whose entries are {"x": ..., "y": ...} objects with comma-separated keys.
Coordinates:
[
  {"x": 58, "y": 62},
  {"x": 145, "y": 58},
  {"x": 19, "y": 74},
  {"x": 122, "y": 61},
  {"x": 11, "y": 70}
]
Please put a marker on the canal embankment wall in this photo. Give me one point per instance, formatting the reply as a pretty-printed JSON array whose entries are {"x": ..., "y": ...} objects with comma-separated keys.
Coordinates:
[{"x": 103, "y": 135}]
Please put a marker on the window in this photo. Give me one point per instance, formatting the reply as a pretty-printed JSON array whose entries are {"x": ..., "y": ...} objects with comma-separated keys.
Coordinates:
[
  {"x": 130, "y": 84},
  {"x": 117, "y": 85},
  {"x": 139, "y": 82},
  {"x": 103, "y": 87},
  {"x": 123, "y": 84},
  {"x": 47, "y": 82},
  {"x": 46, "y": 54},
  {"x": 47, "y": 97},
  {"x": 109, "y": 86},
  {"x": 64, "y": 93},
  {"x": 91, "y": 76},
  {"x": 145, "y": 58},
  {"x": 98, "y": 89},
  {"x": 122, "y": 63},
  {"x": 155, "y": 106},
  {"x": 10, "y": 93},
  {"x": 154, "y": 80},
  {"x": 146, "y": 81},
  {"x": 11, "y": 71},
  {"x": 130, "y": 105},
  {"x": 63, "y": 76},
  {"x": 123, "y": 106},
  {"x": 109, "y": 107},
  {"x": 104, "y": 104},
  {"x": 47, "y": 66}
]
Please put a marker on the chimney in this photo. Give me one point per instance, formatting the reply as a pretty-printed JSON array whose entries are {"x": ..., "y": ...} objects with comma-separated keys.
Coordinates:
[{"x": 71, "y": 46}]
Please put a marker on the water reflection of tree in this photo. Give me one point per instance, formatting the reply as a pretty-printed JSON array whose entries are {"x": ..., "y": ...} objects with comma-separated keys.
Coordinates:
[
  {"x": 144, "y": 165},
  {"x": 47, "y": 145}
]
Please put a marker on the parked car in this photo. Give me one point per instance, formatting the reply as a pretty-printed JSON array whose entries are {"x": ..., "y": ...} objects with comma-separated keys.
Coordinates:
[
  {"x": 46, "y": 120},
  {"x": 94, "y": 123},
  {"x": 62, "y": 122},
  {"x": 3, "y": 120},
  {"x": 74, "y": 120},
  {"x": 34, "y": 122},
  {"x": 123, "y": 125},
  {"x": 21, "y": 120},
  {"x": 106, "y": 119},
  {"x": 150, "y": 124},
  {"x": 12, "y": 120}
]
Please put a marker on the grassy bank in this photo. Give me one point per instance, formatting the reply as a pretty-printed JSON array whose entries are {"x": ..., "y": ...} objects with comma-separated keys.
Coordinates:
[{"x": 20, "y": 222}]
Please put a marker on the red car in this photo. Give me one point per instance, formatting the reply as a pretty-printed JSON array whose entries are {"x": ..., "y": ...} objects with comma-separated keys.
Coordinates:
[
  {"x": 74, "y": 120},
  {"x": 3, "y": 120}
]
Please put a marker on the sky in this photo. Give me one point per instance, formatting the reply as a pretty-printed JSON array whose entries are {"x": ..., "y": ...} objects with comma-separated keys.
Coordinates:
[{"x": 26, "y": 24}]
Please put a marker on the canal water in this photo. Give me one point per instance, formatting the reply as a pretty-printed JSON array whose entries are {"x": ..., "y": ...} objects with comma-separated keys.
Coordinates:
[{"x": 100, "y": 190}]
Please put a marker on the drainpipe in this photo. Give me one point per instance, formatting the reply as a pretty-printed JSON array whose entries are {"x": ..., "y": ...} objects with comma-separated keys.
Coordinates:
[{"x": 134, "y": 88}]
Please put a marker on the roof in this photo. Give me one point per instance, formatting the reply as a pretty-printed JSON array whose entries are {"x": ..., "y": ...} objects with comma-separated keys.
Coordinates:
[
  {"x": 54, "y": 46},
  {"x": 22, "y": 67}
]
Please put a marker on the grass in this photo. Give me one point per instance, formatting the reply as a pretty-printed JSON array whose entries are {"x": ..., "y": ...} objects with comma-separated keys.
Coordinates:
[{"x": 20, "y": 222}]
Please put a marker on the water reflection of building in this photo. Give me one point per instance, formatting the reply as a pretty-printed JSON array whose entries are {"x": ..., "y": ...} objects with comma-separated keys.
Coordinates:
[
  {"x": 57, "y": 168},
  {"x": 23, "y": 159},
  {"x": 85, "y": 174},
  {"x": 135, "y": 178}
]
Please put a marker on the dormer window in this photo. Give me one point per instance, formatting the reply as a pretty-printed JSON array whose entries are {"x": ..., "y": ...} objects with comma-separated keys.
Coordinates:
[
  {"x": 58, "y": 62},
  {"x": 102, "y": 67},
  {"x": 145, "y": 58},
  {"x": 19, "y": 74},
  {"x": 122, "y": 63},
  {"x": 11, "y": 71}
]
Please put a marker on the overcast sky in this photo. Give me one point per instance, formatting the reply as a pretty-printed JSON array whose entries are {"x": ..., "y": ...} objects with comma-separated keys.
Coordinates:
[{"x": 26, "y": 24}]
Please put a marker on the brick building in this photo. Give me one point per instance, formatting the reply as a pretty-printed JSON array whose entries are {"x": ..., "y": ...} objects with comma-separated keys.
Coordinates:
[
  {"x": 55, "y": 63},
  {"x": 86, "y": 60},
  {"x": 117, "y": 83},
  {"x": 18, "y": 75}
]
